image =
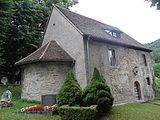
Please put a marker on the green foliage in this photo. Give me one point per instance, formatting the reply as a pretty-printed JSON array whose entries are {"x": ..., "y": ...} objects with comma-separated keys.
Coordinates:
[
  {"x": 78, "y": 113},
  {"x": 155, "y": 46},
  {"x": 98, "y": 93},
  {"x": 5, "y": 19},
  {"x": 156, "y": 68},
  {"x": 70, "y": 92},
  {"x": 156, "y": 87},
  {"x": 63, "y": 3},
  {"x": 22, "y": 24},
  {"x": 155, "y": 3}
]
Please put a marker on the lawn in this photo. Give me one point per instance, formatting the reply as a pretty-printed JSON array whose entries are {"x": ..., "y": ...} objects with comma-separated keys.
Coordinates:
[
  {"x": 136, "y": 111},
  {"x": 12, "y": 112}
]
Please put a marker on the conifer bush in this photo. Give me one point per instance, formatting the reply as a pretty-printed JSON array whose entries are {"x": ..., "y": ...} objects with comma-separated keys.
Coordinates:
[
  {"x": 70, "y": 92},
  {"x": 98, "y": 93}
]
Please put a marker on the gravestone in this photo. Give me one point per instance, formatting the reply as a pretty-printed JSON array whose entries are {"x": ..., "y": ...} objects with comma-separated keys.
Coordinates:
[
  {"x": 48, "y": 99},
  {"x": 7, "y": 95},
  {"x": 6, "y": 99}
]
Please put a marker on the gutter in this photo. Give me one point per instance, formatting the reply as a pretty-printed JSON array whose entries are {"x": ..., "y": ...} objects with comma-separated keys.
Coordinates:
[{"x": 98, "y": 39}]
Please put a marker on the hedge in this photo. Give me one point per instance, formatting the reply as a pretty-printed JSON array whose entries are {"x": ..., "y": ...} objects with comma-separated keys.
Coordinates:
[{"x": 78, "y": 113}]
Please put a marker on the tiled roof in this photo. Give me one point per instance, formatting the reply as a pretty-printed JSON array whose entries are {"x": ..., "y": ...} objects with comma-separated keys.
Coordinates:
[
  {"x": 96, "y": 29},
  {"x": 49, "y": 52}
]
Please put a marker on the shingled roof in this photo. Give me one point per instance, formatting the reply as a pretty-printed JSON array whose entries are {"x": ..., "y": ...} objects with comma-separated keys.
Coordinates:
[
  {"x": 96, "y": 30},
  {"x": 49, "y": 52}
]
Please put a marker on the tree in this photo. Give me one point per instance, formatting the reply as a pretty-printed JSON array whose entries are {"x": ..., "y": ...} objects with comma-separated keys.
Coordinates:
[
  {"x": 155, "y": 3},
  {"x": 155, "y": 47},
  {"x": 156, "y": 67},
  {"x": 22, "y": 31},
  {"x": 70, "y": 92},
  {"x": 5, "y": 20},
  {"x": 63, "y": 3},
  {"x": 24, "y": 36},
  {"x": 98, "y": 93}
]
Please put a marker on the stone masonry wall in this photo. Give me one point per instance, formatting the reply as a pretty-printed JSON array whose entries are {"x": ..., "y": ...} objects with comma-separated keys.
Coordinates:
[
  {"x": 64, "y": 33},
  {"x": 43, "y": 78},
  {"x": 121, "y": 77}
]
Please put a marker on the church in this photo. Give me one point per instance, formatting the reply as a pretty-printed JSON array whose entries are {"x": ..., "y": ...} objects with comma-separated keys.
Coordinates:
[{"x": 78, "y": 43}]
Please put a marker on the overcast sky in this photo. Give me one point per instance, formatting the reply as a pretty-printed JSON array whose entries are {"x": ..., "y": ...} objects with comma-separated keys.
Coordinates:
[{"x": 134, "y": 17}]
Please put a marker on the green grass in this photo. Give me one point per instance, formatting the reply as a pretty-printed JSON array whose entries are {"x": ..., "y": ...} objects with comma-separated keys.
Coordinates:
[
  {"x": 136, "y": 111},
  {"x": 157, "y": 102},
  {"x": 11, "y": 113}
]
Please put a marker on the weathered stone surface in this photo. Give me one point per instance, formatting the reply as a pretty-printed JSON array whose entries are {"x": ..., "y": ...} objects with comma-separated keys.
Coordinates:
[
  {"x": 43, "y": 78},
  {"x": 121, "y": 77}
]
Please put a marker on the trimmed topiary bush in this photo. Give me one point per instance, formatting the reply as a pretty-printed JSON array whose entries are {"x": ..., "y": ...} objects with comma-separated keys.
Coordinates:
[
  {"x": 98, "y": 93},
  {"x": 70, "y": 92},
  {"x": 78, "y": 113}
]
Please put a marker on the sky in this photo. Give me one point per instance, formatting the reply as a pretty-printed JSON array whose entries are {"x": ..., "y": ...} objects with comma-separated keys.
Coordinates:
[{"x": 134, "y": 17}]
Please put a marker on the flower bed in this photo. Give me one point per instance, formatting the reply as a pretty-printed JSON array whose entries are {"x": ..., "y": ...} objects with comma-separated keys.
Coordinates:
[{"x": 39, "y": 109}]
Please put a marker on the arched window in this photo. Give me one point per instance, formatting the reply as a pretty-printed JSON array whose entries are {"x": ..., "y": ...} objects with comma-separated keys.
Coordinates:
[{"x": 137, "y": 91}]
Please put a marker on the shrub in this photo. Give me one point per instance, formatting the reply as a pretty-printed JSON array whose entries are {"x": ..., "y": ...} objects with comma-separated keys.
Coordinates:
[
  {"x": 78, "y": 113},
  {"x": 156, "y": 67},
  {"x": 70, "y": 92},
  {"x": 98, "y": 93},
  {"x": 156, "y": 87}
]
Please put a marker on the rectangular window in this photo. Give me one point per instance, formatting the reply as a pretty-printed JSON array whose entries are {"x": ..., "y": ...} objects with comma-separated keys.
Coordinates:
[
  {"x": 112, "y": 57},
  {"x": 144, "y": 59},
  {"x": 148, "y": 81},
  {"x": 114, "y": 34}
]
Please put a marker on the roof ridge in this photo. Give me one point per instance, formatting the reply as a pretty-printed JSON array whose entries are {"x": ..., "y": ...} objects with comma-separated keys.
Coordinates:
[
  {"x": 93, "y": 19},
  {"x": 45, "y": 50},
  {"x": 51, "y": 51},
  {"x": 95, "y": 28},
  {"x": 30, "y": 54}
]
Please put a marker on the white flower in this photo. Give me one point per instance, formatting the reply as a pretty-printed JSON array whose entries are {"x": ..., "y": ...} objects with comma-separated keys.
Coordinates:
[{"x": 23, "y": 110}]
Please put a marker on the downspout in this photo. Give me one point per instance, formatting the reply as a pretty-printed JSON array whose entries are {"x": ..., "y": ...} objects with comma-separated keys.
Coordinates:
[
  {"x": 88, "y": 58},
  {"x": 73, "y": 64}
]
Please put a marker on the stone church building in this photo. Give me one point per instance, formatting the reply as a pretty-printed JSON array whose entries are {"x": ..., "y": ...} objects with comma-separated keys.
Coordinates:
[{"x": 78, "y": 43}]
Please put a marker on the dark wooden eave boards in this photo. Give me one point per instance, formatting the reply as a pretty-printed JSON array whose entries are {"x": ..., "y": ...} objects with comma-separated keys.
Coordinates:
[
  {"x": 96, "y": 30},
  {"x": 50, "y": 52}
]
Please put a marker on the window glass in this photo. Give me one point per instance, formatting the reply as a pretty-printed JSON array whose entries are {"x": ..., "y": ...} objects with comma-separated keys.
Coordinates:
[
  {"x": 144, "y": 59},
  {"x": 112, "y": 58},
  {"x": 148, "y": 81},
  {"x": 113, "y": 33}
]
